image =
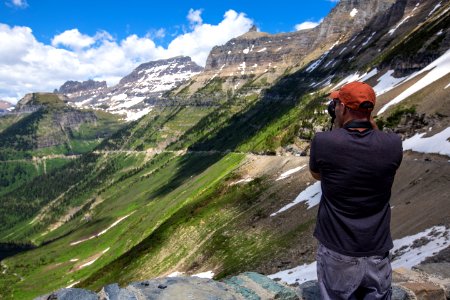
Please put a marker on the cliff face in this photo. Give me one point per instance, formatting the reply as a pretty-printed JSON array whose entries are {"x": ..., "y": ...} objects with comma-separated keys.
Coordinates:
[{"x": 257, "y": 54}]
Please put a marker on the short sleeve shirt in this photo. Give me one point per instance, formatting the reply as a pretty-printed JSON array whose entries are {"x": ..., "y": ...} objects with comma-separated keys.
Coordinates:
[{"x": 357, "y": 171}]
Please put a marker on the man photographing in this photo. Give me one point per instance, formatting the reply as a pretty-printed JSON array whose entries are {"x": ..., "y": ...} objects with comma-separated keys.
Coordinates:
[{"x": 356, "y": 164}]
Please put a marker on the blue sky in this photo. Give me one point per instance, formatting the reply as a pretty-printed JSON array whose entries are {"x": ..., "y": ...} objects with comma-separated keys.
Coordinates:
[{"x": 59, "y": 40}]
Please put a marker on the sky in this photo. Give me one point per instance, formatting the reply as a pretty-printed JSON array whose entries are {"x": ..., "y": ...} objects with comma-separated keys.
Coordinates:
[{"x": 47, "y": 42}]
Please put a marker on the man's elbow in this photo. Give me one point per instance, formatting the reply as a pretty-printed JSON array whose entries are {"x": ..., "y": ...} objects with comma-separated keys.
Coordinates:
[{"x": 315, "y": 175}]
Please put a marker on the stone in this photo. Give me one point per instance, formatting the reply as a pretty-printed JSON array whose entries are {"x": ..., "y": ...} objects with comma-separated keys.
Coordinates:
[
  {"x": 309, "y": 290},
  {"x": 252, "y": 285},
  {"x": 70, "y": 294},
  {"x": 425, "y": 290}
]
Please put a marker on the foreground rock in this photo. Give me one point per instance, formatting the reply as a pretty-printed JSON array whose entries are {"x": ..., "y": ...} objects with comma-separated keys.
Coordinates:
[{"x": 408, "y": 285}]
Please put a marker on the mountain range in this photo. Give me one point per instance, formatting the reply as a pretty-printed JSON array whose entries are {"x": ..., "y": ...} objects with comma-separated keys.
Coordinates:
[{"x": 213, "y": 177}]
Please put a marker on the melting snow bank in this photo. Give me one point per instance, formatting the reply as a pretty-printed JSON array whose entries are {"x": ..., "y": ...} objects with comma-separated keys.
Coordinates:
[
  {"x": 289, "y": 173},
  {"x": 437, "y": 143},
  {"x": 437, "y": 69},
  {"x": 72, "y": 284},
  {"x": 412, "y": 250},
  {"x": 207, "y": 274},
  {"x": 298, "y": 274},
  {"x": 311, "y": 195},
  {"x": 407, "y": 252},
  {"x": 387, "y": 82},
  {"x": 93, "y": 261},
  {"x": 103, "y": 231},
  {"x": 245, "y": 180}
]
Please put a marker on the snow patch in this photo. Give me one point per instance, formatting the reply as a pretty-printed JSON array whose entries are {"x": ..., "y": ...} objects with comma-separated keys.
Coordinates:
[
  {"x": 207, "y": 274},
  {"x": 440, "y": 32},
  {"x": 414, "y": 249},
  {"x": 391, "y": 32},
  {"x": 342, "y": 51},
  {"x": 298, "y": 274},
  {"x": 119, "y": 97},
  {"x": 435, "y": 8},
  {"x": 353, "y": 12},
  {"x": 387, "y": 82},
  {"x": 311, "y": 195},
  {"x": 437, "y": 143},
  {"x": 175, "y": 274},
  {"x": 246, "y": 50},
  {"x": 131, "y": 116},
  {"x": 102, "y": 232},
  {"x": 290, "y": 172},
  {"x": 72, "y": 284},
  {"x": 93, "y": 261},
  {"x": 438, "y": 69},
  {"x": 242, "y": 180},
  {"x": 356, "y": 77},
  {"x": 242, "y": 68},
  {"x": 447, "y": 86},
  {"x": 262, "y": 50},
  {"x": 368, "y": 39}
]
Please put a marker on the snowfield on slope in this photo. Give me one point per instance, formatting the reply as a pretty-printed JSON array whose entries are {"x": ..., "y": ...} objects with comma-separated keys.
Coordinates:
[
  {"x": 437, "y": 143},
  {"x": 101, "y": 232},
  {"x": 311, "y": 195},
  {"x": 436, "y": 70}
]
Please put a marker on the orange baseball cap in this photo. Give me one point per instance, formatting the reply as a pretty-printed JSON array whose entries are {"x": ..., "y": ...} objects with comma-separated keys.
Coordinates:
[{"x": 355, "y": 93}]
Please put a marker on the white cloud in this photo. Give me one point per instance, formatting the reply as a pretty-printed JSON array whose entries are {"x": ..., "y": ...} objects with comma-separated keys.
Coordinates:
[
  {"x": 73, "y": 39},
  {"x": 307, "y": 25},
  {"x": 27, "y": 65},
  {"x": 203, "y": 37},
  {"x": 18, "y": 3},
  {"x": 194, "y": 17}
]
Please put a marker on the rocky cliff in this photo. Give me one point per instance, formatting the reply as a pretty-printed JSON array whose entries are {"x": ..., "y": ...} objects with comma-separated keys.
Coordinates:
[
  {"x": 263, "y": 56},
  {"x": 5, "y": 106}
]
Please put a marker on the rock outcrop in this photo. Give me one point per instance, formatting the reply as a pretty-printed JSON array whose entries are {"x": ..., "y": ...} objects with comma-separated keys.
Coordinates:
[{"x": 408, "y": 285}]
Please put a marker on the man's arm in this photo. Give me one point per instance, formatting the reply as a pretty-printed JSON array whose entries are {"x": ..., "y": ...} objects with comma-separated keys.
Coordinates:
[{"x": 312, "y": 160}]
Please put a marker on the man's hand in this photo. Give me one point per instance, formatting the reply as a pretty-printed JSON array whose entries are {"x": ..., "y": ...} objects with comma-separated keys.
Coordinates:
[{"x": 315, "y": 175}]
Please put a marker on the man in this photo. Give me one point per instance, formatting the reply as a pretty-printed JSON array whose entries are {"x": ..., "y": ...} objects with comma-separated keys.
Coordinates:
[{"x": 356, "y": 164}]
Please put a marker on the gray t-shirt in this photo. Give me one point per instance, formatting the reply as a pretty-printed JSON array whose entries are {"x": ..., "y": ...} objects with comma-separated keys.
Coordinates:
[{"x": 357, "y": 171}]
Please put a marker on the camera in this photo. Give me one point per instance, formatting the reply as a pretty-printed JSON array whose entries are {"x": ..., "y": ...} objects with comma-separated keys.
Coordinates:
[{"x": 332, "y": 108}]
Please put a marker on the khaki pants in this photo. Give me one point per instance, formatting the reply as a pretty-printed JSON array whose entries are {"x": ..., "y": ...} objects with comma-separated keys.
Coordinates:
[{"x": 355, "y": 278}]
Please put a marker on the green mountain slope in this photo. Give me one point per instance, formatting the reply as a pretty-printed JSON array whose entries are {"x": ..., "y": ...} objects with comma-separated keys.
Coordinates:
[{"x": 44, "y": 134}]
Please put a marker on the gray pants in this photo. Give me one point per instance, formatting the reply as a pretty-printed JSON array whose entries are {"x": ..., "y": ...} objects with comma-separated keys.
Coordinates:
[{"x": 355, "y": 278}]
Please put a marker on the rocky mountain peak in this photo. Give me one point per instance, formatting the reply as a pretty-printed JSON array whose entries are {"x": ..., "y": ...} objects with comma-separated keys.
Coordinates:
[
  {"x": 162, "y": 67},
  {"x": 34, "y": 101},
  {"x": 4, "y": 105},
  {"x": 134, "y": 95},
  {"x": 348, "y": 17},
  {"x": 70, "y": 87}
]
